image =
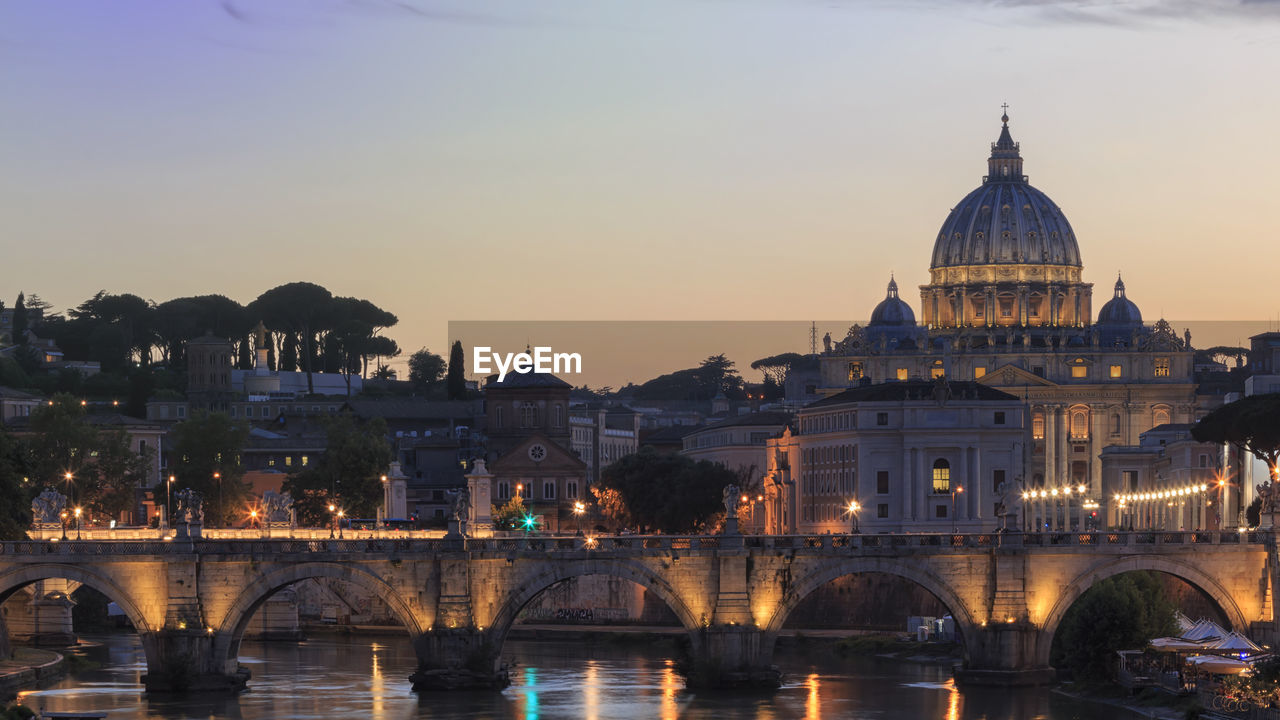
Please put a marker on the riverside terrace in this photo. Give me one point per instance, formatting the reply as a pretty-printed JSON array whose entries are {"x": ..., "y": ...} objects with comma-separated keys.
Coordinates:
[{"x": 190, "y": 600}]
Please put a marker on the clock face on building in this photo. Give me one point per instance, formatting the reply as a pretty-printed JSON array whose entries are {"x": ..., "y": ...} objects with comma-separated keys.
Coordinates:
[{"x": 537, "y": 452}]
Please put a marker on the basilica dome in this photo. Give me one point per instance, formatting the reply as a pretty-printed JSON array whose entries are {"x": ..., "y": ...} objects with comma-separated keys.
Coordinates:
[
  {"x": 1120, "y": 310},
  {"x": 892, "y": 311},
  {"x": 1005, "y": 221}
]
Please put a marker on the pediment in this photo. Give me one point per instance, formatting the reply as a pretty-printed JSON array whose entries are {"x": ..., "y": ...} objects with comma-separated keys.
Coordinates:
[
  {"x": 522, "y": 458},
  {"x": 1008, "y": 375}
]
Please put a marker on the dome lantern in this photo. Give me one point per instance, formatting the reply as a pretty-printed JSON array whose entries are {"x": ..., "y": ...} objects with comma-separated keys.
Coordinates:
[{"x": 1005, "y": 163}]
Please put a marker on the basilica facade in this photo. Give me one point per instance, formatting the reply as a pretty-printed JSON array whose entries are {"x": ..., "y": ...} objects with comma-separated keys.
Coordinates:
[{"x": 1007, "y": 308}]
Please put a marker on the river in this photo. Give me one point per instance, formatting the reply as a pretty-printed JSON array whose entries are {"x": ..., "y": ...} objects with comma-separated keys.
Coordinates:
[{"x": 341, "y": 677}]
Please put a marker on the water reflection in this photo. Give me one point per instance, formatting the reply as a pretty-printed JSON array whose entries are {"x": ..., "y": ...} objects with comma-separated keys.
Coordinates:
[{"x": 341, "y": 678}]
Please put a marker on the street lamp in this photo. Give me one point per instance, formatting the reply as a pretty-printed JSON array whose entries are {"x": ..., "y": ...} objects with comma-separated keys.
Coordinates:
[
  {"x": 959, "y": 489},
  {"x": 68, "y": 478},
  {"x": 168, "y": 499},
  {"x": 77, "y": 523},
  {"x": 340, "y": 514},
  {"x": 578, "y": 509},
  {"x": 333, "y": 520},
  {"x": 221, "y": 517},
  {"x": 63, "y": 516},
  {"x": 854, "y": 507}
]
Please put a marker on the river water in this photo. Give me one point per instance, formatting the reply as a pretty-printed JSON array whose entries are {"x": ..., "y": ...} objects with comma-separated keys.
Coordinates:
[{"x": 338, "y": 677}]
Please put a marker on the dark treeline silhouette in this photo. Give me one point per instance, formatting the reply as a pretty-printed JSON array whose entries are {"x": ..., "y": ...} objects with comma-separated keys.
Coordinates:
[{"x": 309, "y": 330}]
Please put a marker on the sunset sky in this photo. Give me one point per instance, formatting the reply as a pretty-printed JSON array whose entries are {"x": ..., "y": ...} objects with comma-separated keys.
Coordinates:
[{"x": 638, "y": 159}]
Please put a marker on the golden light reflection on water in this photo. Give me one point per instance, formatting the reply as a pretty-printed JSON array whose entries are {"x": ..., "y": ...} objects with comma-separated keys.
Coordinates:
[
  {"x": 812, "y": 705},
  {"x": 670, "y": 686},
  {"x": 953, "y": 701},
  {"x": 591, "y": 691},
  {"x": 376, "y": 686}
]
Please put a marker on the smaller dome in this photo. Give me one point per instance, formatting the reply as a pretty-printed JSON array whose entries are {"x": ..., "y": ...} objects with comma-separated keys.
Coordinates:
[
  {"x": 1119, "y": 310},
  {"x": 892, "y": 311}
]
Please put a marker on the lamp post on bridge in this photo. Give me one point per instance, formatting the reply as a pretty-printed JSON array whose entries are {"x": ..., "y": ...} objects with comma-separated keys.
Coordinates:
[
  {"x": 333, "y": 519},
  {"x": 854, "y": 507},
  {"x": 168, "y": 500},
  {"x": 77, "y": 523},
  {"x": 959, "y": 489},
  {"x": 217, "y": 476}
]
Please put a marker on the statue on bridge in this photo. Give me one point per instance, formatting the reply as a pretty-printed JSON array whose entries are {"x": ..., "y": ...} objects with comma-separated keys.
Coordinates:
[
  {"x": 190, "y": 506},
  {"x": 277, "y": 508},
  {"x": 47, "y": 507},
  {"x": 1267, "y": 494},
  {"x": 461, "y": 504},
  {"x": 730, "y": 494}
]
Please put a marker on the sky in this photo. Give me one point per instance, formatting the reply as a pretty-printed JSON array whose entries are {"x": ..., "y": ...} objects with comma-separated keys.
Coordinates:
[{"x": 626, "y": 159}]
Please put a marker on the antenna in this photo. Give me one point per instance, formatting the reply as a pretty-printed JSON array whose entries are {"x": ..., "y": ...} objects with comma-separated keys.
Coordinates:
[{"x": 813, "y": 338}]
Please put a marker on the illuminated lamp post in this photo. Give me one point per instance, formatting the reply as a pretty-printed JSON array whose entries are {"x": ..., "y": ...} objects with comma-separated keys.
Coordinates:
[
  {"x": 340, "y": 516},
  {"x": 959, "y": 489},
  {"x": 77, "y": 523},
  {"x": 854, "y": 507},
  {"x": 168, "y": 499},
  {"x": 333, "y": 519},
  {"x": 221, "y": 516},
  {"x": 578, "y": 509}
]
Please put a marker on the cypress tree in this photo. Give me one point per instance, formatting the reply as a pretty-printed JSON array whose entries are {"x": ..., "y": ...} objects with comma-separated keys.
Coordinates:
[{"x": 455, "y": 380}]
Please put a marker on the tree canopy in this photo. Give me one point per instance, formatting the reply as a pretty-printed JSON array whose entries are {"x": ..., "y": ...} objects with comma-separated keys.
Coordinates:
[
  {"x": 348, "y": 474},
  {"x": 655, "y": 491},
  {"x": 206, "y": 458},
  {"x": 1122, "y": 612},
  {"x": 713, "y": 376},
  {"x": 425, "y": 370},
  {"x": 15, "y": 512},
  {"x": 1251, "y": 423},
  {"x": 456, "y": 382}
]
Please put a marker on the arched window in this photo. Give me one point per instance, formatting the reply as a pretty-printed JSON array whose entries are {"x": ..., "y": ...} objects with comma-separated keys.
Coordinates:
[
  {"x": 1037, "y": 425},
  {"x": 1160, "y": 416},
  {"x": 1079, "y": 423},
  {"x": 557, "y": 416},
  {"x": 528, "y": 415},
  {"x": 941, "y": 476}
]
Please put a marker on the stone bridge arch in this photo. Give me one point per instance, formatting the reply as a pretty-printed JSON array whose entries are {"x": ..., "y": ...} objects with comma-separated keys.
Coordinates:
[
  {"x": 918, "y": 573},
  {"x": 1184, "y": 571},
  {"x": 15, "y": 579},
  {"x": 236, "y": 619},
  {"x": 534, "y": 584}
]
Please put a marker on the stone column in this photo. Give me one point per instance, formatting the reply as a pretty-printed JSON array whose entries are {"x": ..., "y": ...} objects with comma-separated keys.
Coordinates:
[
  {"x": 908, "y": 488},
  {"x": 976, "y": 483},
  {"x": 394, "y": 493},
  {"x": 479, "y": 489},
  {"x": 1050, "y": 444}
]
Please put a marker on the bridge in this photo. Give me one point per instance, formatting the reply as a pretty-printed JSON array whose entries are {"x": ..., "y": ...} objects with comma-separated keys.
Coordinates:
[{"x": 191, "y": 600}]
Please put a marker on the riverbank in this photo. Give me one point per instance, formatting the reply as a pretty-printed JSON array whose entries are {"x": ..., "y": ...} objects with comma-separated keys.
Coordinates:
[
  {"x": 1155, "y": 706},
  {"x": 30, "y": 668}
]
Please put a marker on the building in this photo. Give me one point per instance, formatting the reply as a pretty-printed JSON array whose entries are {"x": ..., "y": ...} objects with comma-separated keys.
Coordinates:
[
  {"x": 601, "y": 435},
  {"x": 737, "y": 442},
  {"x": 1167, "y": 481},
  {"x": 530, "y": 446},
  {"x": 915, "y": 456},
  {"x": 16, "y": 404},
  {"x": 209, "y": 374},
  {"x": 1007, "y": 306}
]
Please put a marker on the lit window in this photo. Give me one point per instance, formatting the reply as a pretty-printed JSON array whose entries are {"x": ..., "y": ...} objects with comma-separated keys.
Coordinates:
[
  {"x": 1116, "y": 372},
  {"x": 1079, "y": 371},
  {"x": 979, "y": 372},
  {"x": 941, "y": 476},
  {"x": 902, "y": 373},
  {"x": 304, "y": 461},
  {"x": 937, "y": 372},
  {"x": 855, "y": 371},
  {"x": 288, "y": 460},
  {"x": 1079, "y": 424},
  {"x": 1162, "y": 367},
  {"x": 1037, "y": 426}
]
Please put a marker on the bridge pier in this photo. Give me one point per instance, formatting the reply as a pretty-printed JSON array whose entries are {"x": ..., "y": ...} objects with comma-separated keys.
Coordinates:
[
  {"x": 457, "y": 659},
  {"x": 732, "y": 656},
  {"x": 184, "y": 660},
  {"x": 1003, "y": 654}
]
